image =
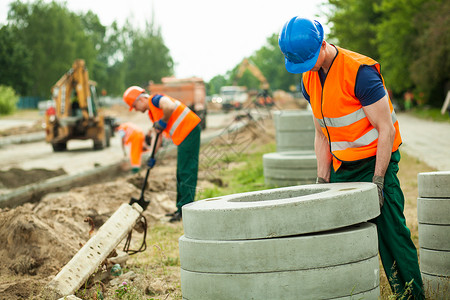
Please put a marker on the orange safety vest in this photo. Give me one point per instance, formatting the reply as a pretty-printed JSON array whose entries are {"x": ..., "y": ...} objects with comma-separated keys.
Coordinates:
[
  {"x": 340, "y": 114},
  {"x": 180, "y": 123},
  {"x": 131, "y": 131},
  {"x": 136, "y": 137}
]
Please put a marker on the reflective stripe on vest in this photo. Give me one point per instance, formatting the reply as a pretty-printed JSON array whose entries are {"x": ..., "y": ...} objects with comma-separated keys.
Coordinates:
[
  {"x": 364, "y": 140},
  {"x": 180, "y": 117},
  {"x": 340, "y": 114}
]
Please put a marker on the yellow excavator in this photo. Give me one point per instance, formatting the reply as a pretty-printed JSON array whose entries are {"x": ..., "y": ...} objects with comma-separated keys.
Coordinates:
[
  {"x": 76, "y": 114},
  {"x": 263, "y": 97}
]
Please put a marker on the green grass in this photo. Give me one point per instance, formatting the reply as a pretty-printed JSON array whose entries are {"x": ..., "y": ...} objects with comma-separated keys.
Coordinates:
[
  {"x": 432, "y": 114},
  {"x": 246, "y": 175}
]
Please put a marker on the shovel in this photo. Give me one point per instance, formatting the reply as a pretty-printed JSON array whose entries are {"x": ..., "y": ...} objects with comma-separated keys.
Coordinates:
[{"x": 141, "y": 201}]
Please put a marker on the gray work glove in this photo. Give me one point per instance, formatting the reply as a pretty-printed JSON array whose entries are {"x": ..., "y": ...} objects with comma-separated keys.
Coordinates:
[
  {"x": 321, "y": 180},
  {"x": 379, "y": 181}
]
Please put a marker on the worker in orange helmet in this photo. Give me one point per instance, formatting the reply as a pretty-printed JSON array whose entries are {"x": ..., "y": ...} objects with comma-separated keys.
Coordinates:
[
  {"x": 175, "y": 120},
  {"x": 132, "y": 135}
]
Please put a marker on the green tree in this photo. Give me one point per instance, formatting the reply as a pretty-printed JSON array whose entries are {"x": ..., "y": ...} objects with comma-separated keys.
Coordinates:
[
  {"x": 270, "y": 60},
  {"x": 215, "y": 84},
  {"x": 395, "y": 39},
  {"x": 149, "y": 58},
  {"x": 54, "y": 36},
  {"x": 353, "y": 25},
  {"x": 15, "y": 63},
  {"x": 8, "y": 100},
  {"x": 429, "y": 69}
]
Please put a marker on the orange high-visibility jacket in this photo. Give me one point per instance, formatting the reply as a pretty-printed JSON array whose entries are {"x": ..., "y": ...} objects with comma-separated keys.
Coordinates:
[
  {"x": 180, "y": 123},
  {"x": 134, "y": 136},
  {"x": 340, "y": 114}
]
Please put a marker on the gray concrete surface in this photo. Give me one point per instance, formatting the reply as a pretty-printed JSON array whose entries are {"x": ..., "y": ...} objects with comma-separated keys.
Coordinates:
[
  {"x": 355, "y": 243},
  {"x": 320, "y": 283},
  {"x": 434, "y": 184},
  {"x": 281, "y": 212},
  {"x": 433, "y": 210},
  {"x": 434, "y": 237},
  {"x": 435, "y": 262}
]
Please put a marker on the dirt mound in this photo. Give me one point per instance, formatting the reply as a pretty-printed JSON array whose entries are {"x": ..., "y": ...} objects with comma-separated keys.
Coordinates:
[
  {"x": 41, "y": 238},
  {"x": 14, "y": 177}
]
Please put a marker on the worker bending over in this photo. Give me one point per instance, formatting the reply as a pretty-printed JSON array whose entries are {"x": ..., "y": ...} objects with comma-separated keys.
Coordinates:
[
  {"x": 175, "y": 120},
  {"x": 132, "y": 135},
  {"x": 357, "y": 136}
]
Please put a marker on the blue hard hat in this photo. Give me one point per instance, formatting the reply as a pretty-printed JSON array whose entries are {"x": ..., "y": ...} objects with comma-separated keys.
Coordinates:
[{"x": 300, "y": 40}]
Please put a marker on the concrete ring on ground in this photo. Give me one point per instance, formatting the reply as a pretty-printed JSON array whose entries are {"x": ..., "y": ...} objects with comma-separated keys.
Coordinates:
[
  {"x": 436, "y": 287},
  {"x": 293, "y": 120},
  {"x": 434, "y": 184},
  {"x": 433, "y": 210},
  {"x": 331, "y": 248},
  {"x": 434, "y": 237},
  {"x": 435, "y": 262},
  {"x": 281, "y": 212},
  {"x": 348, "y": 280},
  {"x": 294, "y": 130},
  {"x": 290, "y": 168}
]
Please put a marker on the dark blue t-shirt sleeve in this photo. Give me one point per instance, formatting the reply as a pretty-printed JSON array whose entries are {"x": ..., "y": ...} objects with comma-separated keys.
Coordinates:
[
  {"x": 304, "y": 92},
  {"x": 369, "y": 87},
  {"x": 155, "y": 100}
]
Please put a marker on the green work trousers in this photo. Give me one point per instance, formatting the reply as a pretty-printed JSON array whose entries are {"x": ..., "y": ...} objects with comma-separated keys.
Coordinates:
[
  {"x": 187, "y": 167},
  {"x": 397, "y": 251}
]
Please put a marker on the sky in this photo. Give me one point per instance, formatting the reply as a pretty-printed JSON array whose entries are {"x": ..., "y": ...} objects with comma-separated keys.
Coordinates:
[{"x": 205, "y": 37}]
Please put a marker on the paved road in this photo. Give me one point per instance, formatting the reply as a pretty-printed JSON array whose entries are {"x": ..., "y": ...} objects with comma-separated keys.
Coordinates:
[
  {"x": 426, "y": 140},
  {"x": 80, "y": 157}
]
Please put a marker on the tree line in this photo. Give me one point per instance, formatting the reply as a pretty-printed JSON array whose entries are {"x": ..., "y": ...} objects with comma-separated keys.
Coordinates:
[
  {"x": 42, "y": 40},
  {"x": 410, "y": 39}
]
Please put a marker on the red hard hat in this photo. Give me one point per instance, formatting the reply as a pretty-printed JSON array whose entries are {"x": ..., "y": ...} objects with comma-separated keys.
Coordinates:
[{"x": 131, "y": 95}]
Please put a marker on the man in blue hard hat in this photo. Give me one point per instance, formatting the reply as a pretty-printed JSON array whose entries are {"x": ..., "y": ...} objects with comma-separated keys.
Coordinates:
[{"x": 357, "y": 136}]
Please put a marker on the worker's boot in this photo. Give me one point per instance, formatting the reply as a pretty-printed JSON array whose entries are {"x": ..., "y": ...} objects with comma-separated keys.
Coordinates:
[{"x": 176, "y": 217}]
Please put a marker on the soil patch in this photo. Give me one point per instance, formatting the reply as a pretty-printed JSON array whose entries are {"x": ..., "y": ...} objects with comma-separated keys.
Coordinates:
[
  {"x": 14, "y": 177},
  {"x": 40, "y": 238}
]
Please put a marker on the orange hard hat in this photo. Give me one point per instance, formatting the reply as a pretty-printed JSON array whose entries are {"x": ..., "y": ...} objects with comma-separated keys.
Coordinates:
[{"x": 131, "y": 95}]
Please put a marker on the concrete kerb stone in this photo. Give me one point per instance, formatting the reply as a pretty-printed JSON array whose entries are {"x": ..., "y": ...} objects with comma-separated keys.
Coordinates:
[
  {"x": 435, "y": 262},
  {"x": 434, "y": 184},
  {"x": 434, "y": 237},
  {"x": 331, "y": 248},
  {"x": 319, "y": 283},
  {"x": 281, "y": 212},
  {"x": 34, "y": 191}
]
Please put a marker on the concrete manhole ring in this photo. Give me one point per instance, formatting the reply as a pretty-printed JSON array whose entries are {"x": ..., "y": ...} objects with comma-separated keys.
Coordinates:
[
  {"x": 344, "y": 281},
  {"x": 355, "y": 243},
  {"x": 293, "y": 120},
  {"x": 433, "y": 210},
  {"x": 434, "y": 237},
  {"x": 434, "y": 184},
  {"x": 281, "y": 212},
  {"x": 435, "y": 262},
  {"x": 305, "y": 159}
]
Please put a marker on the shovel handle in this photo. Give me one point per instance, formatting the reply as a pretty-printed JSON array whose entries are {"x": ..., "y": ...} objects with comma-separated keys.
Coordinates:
[{"x": 141, "y": 201}]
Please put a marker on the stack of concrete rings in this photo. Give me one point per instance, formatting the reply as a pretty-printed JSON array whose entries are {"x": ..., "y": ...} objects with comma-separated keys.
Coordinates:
[
  {"x": 290, "y": 168},
  {"x": 294, "y": 162},
  {"x": 294, "y": 130},
  {"x": 433, "y": 212},
  {"x": 300, "y": 242}
]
